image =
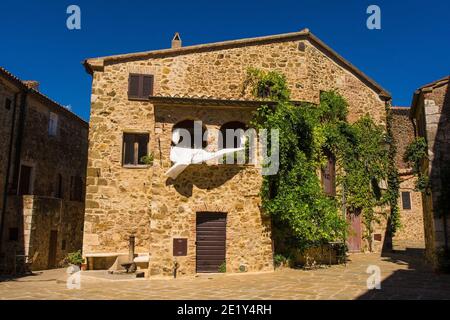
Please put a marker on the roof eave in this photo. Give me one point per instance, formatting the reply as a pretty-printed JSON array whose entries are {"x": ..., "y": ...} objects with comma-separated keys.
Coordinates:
[{"x": 97, "y": 64}]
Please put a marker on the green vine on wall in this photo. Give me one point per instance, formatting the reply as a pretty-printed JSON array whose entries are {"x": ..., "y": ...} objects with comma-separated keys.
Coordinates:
[
  {"x": 307, "y": 134},
  {"x": 415, "y": 152},
  {"x": 393, "y": 180}
]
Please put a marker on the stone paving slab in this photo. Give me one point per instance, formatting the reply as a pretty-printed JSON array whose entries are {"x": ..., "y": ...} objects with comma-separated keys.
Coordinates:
[{"x": 403, "y": 277}]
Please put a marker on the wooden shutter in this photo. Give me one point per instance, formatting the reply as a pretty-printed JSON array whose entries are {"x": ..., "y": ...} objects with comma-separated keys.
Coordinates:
[
  {"x": 329, "y": 176},
  {"x": 128, "y": 148},
  {"x": 133, "y": 86},
  {"x": 59, "y": 187},
  {"x": 140, "y": 86},
  {"x": 142, "y": 141},
  {"x": 8, "y": 104},
  {"x": 147, "y": 86}
]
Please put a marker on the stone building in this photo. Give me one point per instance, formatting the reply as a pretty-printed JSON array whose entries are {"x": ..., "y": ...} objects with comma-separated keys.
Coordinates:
[
  {"x": 210, "y": 213},
  {"x": 430, "y": 112},
  {"x": 43, "y": 154},
  {"x": 411, "y": 233}
]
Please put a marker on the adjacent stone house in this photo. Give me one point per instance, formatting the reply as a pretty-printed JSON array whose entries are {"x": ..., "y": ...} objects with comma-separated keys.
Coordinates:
[
  {"x": 43, "y": 154},
  {"x": 210, "y": 213},
  {"x": 430, "y": 112},
  {"x": 411, "y": 233}
]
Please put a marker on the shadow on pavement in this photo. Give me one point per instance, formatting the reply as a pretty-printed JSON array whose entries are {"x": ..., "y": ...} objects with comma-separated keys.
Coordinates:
[{"x": 416, "y": 281}]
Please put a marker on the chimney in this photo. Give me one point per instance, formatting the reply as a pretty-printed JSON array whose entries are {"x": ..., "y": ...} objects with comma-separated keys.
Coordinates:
[
  {"x": 31, "y": 84},
  {"x": 176, "y": 41}
]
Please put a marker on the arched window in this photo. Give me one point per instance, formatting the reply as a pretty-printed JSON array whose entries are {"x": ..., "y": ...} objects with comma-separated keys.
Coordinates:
[
  {"x": 183, "y": 135},
  {"x": 232, "y": 135}
]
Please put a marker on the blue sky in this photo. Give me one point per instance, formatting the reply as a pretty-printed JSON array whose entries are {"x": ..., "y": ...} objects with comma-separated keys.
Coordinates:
[{"x": 411, "y": 49}]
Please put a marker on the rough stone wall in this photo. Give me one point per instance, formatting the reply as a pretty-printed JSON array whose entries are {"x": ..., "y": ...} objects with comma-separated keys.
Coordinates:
[
  {"x": 436, "y": 104},
  {"x": 36, "y": 215},
  {"x": 6, "y": 116},
  {"x": 231, "y": 189},
  {"x": 411, "y": 234},
  {"x": 119, "y": 200}
]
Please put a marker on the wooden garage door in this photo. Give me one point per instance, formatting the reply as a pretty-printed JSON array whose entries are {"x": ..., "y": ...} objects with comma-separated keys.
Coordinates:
[{"x": 211, "y": 237}]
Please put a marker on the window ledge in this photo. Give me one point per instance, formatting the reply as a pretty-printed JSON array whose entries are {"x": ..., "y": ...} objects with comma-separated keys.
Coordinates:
[
  {"x": 138, "y": 166},
  {"x": 138, "y": 99}
]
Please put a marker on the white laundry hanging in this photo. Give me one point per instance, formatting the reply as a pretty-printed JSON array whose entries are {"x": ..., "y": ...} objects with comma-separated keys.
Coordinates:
[{"x": 183, "y": 157}]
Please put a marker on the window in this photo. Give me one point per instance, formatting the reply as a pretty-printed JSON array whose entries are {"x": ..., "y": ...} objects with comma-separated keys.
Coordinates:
[
  {"x": 53, "y": 124},
  {"x": 13, "y": 234},
  {"x": 232, "y": 135},
  {"x": 59, "y": 187},
  {"x": 185, "y": 138},
  {"x": 328, "y": 175},
  {"x": 76, "y": 188},
  {"x": 8, "y": 104},
  {"x": 140, "y": 86},
  {"x": 406, "y": 200},
  {"x": 63, "y": 245},
  {"x": 135, "y": 146},
  {"x": 25, "y": 183}
]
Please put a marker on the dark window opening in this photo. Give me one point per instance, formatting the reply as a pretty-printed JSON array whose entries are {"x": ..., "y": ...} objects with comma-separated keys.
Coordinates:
[
  {"x": 186, "y": 138},
  {"x": 59, "y": 186},
  {"x": 13, "y": 234},
  {"x": 406, "y": 200},
  {"x": 76, "y": 188},
  {"x": 328, "y": 175},
  {"x": 140, "y": 86},
  {"x": 232, "y": 135},
  {"x": 8, "y": 104},
  {"x": 63, "y": 245},
  {"x": 25, "y": 180},
  {"x": 135, "y": 146}
]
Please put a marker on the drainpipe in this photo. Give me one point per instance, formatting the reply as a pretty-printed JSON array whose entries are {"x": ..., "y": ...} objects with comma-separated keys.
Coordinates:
[{"x": 8, "y": 170}]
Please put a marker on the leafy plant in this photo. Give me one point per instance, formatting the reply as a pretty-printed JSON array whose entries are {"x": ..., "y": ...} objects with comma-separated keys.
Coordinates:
[
  {"x": 280, "y": 260},
  {"x": 415, "y": 152},
  {"x": 393, "y": 178},
  {"x": 74, "y": 258},
  {"x": 307, "y": 133},
  {"x": 223, "y": 267},
  {"x": 148, "y": 159}
]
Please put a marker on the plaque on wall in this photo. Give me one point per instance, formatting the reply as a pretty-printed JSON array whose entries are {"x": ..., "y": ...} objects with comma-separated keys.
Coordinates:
[{"x": 179, "y": 247}]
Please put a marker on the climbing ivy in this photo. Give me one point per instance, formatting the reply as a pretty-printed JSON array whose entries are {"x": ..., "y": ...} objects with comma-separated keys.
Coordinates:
[
  {"x": 307, "y": 134},
  {"x": 393, "y": 180},
  {"x": 415, "y": 152}
]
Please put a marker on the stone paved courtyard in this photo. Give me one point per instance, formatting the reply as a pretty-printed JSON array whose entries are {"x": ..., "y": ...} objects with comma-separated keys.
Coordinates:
[{"x": 403, "y": 277}]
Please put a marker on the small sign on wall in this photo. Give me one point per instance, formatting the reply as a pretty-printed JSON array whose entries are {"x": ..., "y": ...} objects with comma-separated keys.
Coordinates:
[{"x": 179, "y": 247}]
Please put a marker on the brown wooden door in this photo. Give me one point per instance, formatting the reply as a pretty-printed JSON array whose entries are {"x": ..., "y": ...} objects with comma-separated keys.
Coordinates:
[
  {"x": 210, "y": 241},
  {"x": 354, "y": 234},
  {"x": 52, "y": 246}
]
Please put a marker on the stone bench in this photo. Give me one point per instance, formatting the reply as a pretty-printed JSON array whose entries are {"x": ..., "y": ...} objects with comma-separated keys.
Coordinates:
[{"x": 113, "y": 260}]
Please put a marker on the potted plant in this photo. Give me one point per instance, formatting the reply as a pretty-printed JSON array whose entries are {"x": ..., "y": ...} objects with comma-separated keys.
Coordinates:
[
  {"x": 148, "y": 159},
  {"x": 74, "y": 259}
]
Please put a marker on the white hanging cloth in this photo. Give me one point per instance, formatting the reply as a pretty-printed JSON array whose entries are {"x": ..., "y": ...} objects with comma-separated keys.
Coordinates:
[{"x": 182, "y": 157}]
